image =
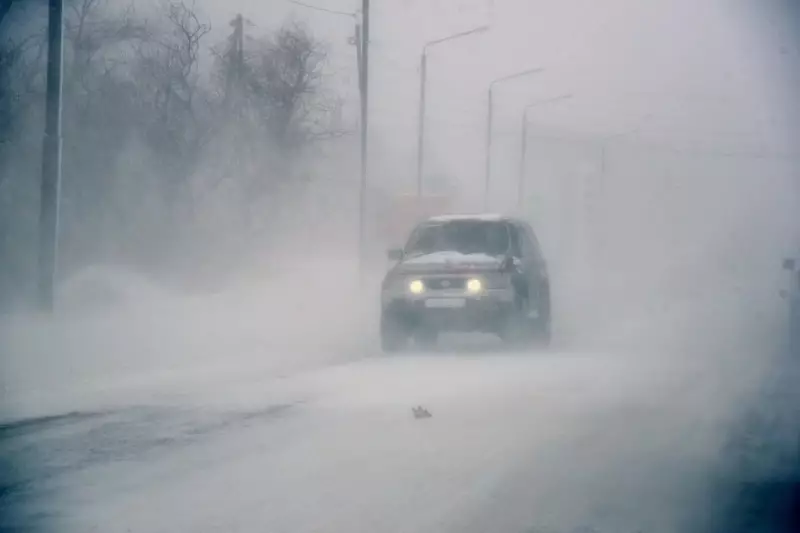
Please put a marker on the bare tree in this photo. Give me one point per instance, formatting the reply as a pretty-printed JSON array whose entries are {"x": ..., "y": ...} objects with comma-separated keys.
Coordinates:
[
  {"x": 285, "y": 75},
  {"x": 20, "y": 84},
  {"x": 169, "y": 60},
  {"x": 168, "y": 87},
  {"x": 96, "y": 37},
  {"x": 149, "y": 142},
  {"x": 321, "y": 119},
  {"x": 11, "y": 68}
]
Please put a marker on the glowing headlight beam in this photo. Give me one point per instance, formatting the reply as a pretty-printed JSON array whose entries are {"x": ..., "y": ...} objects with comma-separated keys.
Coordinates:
[
  {"x": 474, "y": 286},
  {"x": 416, "y": 287}
]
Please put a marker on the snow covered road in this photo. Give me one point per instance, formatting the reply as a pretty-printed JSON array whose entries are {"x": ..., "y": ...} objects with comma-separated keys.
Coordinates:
[
  {"x": 515, "y": 442},
  {"x": 220, "y": 425}
]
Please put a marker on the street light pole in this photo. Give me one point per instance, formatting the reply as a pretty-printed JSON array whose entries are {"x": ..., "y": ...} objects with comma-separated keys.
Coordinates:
[
  {"x": 523, "y": 154},
  {"x": 361, "y": 42},
  {"x": 423, "y": 83},
  {"x": 51, "y": 160},
  {"x": 423, "y": 76},
  {"x": 489, "y": 124},
  {"x": 593, "y": 196},
  {"x": 488, "y": 170},
  {"x": 524, "y": 147}
]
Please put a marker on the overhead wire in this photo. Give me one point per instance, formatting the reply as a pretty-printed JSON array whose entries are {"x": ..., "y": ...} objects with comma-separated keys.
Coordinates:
[{"x": 322, "y": 9}]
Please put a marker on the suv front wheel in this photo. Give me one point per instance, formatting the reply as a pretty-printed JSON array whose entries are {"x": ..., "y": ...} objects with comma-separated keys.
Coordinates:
[
  {"x": 542, "y": 332},
  {"x": 517, "y": 328},
  {"x": 394, "y": 336},
  {"x": 425, "y": 338}
]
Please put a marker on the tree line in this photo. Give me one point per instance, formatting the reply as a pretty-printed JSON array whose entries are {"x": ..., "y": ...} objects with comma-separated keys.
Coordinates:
[{"x": 167, "y": 134}]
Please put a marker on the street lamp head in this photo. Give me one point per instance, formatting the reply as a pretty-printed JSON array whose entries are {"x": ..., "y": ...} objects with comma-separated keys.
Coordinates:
[
  {"x": 526, "y": 72},
  {"x": 515, "y": 76},
  {"x": 547, "y": 101},
  {"x": 479, "y": 29}
]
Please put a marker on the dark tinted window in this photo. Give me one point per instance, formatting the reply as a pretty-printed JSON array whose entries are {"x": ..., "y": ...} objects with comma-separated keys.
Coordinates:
[
  {"x": 464, "y": 236},
  {"x": 529, "y": 243},
  {"x": 517, "y": 239}
]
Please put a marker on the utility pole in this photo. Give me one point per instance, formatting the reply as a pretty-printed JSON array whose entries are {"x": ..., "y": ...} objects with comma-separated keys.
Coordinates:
[
  {"x": 359, "y": 61},
  {"x": 523, "y": 153},
  {"x": 364, "y": 86},
  {"x": 361, "y": 42},
  {"x": 488, "y": 169},
  {"x": 51, "y": 160},
  {"x": 423, "y": 77}
]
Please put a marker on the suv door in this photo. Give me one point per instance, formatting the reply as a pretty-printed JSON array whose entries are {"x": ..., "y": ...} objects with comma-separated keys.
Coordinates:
[
  {"x": 521, "y": 276},
  {"x": 536, "y": 269}
]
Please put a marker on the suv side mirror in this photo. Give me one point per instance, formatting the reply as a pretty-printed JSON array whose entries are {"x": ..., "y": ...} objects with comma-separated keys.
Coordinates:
[
  {"x": 395, "y": 254},
  {"x": 508, "y": 263}
]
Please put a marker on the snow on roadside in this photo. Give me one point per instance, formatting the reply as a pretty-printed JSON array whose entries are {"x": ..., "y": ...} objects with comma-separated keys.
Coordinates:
[{"x": 119, "y": 339}]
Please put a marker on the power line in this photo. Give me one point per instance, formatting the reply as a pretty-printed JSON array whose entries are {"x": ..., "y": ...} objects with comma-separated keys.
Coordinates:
[{"x": 323, "y": 9}]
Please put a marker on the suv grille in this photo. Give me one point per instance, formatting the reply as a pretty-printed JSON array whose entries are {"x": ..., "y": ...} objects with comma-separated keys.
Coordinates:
[{"x": 446, "y": 283}]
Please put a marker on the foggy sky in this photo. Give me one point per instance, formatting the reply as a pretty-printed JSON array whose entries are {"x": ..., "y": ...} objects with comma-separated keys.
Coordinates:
[{"x": 693, "y": 71}]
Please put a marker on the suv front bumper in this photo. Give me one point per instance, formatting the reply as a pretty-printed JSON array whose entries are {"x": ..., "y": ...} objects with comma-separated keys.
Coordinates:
[{"x": 485, "y": 312}]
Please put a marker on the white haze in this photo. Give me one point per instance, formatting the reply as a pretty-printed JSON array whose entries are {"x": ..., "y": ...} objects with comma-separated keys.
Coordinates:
[{"x": 665, "y": 279}]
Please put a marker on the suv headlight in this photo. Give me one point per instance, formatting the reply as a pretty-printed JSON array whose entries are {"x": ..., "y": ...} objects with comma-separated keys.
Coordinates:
[
  {"x": 474, "y": 286},
  {"x": 415, "y": 286}
]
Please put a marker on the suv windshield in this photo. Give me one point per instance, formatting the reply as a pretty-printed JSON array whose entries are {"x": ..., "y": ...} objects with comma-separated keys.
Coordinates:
[{"x": 464, "y": 236}]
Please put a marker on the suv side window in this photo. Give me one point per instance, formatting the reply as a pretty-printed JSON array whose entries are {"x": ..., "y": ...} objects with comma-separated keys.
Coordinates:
[
  {"x": 517, "y": 247},
  {"x": 530, "y": 244}
]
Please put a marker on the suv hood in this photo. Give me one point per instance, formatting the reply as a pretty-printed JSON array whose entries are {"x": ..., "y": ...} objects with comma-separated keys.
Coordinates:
[{"x": 449, "y": 261}]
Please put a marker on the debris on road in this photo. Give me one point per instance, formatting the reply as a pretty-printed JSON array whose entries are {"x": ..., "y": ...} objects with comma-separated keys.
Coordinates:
[{"x": 421, "y": 412}]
